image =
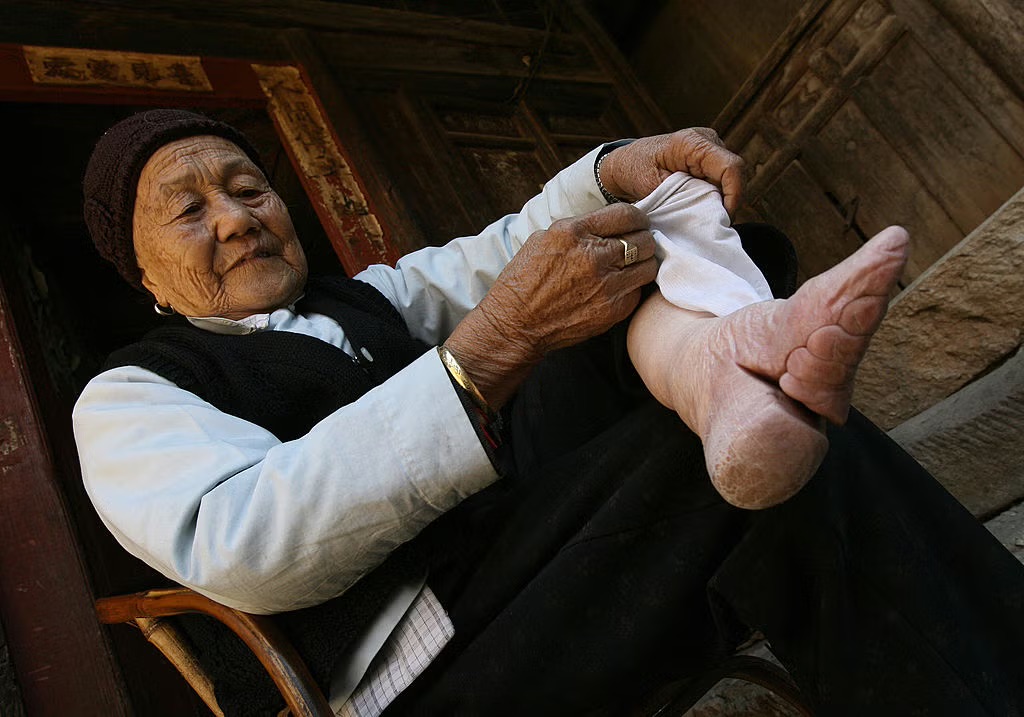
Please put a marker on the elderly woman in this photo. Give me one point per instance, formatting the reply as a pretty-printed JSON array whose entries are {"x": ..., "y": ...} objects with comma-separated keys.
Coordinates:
[{"x": 292, "y": 442}]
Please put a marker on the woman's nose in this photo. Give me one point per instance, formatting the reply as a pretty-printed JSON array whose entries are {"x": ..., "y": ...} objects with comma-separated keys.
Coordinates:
[{"x": 232, "y": 219}]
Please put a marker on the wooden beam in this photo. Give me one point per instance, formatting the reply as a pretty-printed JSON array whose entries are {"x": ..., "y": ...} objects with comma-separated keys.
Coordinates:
[
  {"x": 643, "y": 112},
  {"x": 60, "y": 655}
]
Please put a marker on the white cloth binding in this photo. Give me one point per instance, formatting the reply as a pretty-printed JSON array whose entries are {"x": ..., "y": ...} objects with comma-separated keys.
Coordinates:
[{"x": 703, "y": 265}]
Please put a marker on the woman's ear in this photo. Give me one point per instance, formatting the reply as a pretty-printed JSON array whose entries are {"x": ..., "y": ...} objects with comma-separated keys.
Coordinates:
[{"x": 151, "y": 287}]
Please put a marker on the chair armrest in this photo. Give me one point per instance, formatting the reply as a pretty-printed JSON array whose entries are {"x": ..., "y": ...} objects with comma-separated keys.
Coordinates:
[{"x": 277, "y": 655}]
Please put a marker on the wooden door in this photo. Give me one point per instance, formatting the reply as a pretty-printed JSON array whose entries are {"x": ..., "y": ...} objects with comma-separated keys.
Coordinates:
[{"x": 875, "y": 112}]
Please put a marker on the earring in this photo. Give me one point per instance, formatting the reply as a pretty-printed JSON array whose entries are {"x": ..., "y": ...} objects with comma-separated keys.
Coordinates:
[{"x": 163, "y": 310}]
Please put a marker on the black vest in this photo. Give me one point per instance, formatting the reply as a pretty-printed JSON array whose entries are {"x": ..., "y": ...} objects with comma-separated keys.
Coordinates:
[
  {"x": 286, "y": 383},
  {"x": 283, "y": 381}
]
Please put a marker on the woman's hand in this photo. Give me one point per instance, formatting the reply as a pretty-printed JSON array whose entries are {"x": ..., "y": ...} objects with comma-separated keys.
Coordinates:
[
  {"x": 567, "y": 284},
  {"x": 635, "y": 170}
]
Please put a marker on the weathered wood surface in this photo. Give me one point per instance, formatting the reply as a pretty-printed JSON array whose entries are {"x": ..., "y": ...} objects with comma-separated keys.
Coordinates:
[
  {"x": 330, "y": 180},
  {"x": 644, "y": 114},
  {"x": 947, "y": 140},
  {"x": 67, "y": 66},
  {"x": 995, "y": 29},
  {"x": 897, "y": 113},
  {"x": 404, "y": 233},
  {"x": 60, "y": 654},
  {"x": 820, "y": 234},
  {"x": 852, "y": 161},
  {"x": 976, "y": 78},
  {"x": 416, "y": 42},
  {"x": 957, "y": 321}
]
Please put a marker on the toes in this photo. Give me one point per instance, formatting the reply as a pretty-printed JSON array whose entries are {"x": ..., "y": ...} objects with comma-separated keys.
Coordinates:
[
  {"x": 810, "y": 369},
  {"x": 862, "y": 315},
  {"x": 834, "y": 343},
  {"x": 894, "y": 240},
  {"x": 832, "y": 402}
]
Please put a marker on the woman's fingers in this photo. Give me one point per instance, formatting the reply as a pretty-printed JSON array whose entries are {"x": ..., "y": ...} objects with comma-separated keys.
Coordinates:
[{"x": 639, "y": 246}]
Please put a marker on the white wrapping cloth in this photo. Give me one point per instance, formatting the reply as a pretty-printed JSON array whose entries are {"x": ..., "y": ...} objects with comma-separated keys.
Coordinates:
[{"x": 702, "y": 264}]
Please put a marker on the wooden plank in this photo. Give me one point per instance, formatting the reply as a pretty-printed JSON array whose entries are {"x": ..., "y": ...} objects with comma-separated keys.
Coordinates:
[
  {"x": 995, "y": 28},
  {"x": 326, "y": 16},
  {"x": 331, "y": 181},
  {"x": 850, "y": 159},
  {"x": 966, "y": 68},
  {"x": 694, "y": 55},
  {"x": 392, "y": 211},
  {"x": 420, "y": 163},
  {"x": 793, "y": 66},
  {"x": 828, "y": 101},
  {"x": 62, "y": 660},
  {"x": 73, "y": 25},
  {"x": 960, "y": 319},
  {"x": 643, "y": 112},
  {"x": 797, "y": 205},
  {"x": 862, "y": 25},
  {"x": 231, "y": 82},
  {"x": 505, "y": 178},
  {"x": 546, "y": 145},
  {"x": 208, "y": 30},
  {"x": 940, "y": 134},
  {"x": 416, "y": 56},
  {"x": 769, "y": 65},
  {"x": 76, "y": 67}
]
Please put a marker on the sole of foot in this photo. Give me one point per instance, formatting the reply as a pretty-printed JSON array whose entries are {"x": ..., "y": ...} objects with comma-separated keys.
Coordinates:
[{"x": 795, "y": 362}]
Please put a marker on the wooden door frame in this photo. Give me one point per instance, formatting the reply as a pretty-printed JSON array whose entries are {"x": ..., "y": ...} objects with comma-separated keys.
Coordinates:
[
  {"x": 336, "y": 190},
  {"x": 60, "y": 654}
]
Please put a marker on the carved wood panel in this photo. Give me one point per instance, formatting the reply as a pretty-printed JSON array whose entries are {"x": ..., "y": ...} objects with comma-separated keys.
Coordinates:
[{"x": 898, "y": 112}]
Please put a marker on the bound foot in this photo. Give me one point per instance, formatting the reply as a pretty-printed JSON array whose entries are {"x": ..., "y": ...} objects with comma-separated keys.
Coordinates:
[{"x": 758, "y": 385}]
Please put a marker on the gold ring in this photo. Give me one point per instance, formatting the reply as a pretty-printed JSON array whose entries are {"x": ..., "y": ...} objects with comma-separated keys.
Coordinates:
[{"x": 630, "y": 254}]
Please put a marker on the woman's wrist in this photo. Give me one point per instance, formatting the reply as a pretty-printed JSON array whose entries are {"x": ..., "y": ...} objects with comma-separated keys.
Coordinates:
[{"x": 492, "y": 361}]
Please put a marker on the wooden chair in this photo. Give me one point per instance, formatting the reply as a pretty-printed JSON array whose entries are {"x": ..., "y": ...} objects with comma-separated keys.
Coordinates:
[{"x": 150, "y": 612}]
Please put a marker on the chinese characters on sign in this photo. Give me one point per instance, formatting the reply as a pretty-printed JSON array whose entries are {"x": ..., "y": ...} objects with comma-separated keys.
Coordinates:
[{"x": 66, "y": 66}]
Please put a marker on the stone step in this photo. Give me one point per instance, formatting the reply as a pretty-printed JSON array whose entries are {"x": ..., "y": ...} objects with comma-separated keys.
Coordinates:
[{"x": 1008, "y": 527}]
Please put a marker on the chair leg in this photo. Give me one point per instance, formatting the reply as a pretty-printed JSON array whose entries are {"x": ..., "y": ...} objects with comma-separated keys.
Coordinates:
[{"x": 163, "y": 635}]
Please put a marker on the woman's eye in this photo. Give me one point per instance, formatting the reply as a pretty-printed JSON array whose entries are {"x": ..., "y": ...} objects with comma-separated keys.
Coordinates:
[
  {"x": 249, "y": 192},
  {"x": 190, "y": 209}
]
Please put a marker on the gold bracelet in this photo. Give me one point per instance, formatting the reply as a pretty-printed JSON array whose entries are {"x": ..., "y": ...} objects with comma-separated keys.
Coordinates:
[{"x": 462, "y": 378}]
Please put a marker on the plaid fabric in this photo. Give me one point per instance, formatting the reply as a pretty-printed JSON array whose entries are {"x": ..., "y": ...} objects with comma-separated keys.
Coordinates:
[{"x": 413, "y": 645}]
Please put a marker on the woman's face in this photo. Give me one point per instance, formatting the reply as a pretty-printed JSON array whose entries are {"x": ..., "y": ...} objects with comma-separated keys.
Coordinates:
[{"x": 211, "y": 237}]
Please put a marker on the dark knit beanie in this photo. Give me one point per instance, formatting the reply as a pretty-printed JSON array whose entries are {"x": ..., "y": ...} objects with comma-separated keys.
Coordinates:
[{"x": 112, "y": 177}]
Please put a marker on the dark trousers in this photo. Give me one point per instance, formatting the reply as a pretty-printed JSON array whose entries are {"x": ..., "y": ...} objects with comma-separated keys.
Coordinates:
[{"x": 607, "y": 565}]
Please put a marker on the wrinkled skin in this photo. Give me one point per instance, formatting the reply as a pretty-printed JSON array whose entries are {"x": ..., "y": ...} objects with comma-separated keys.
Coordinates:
[
  {"x": 565, "y": 285},
  {"x": 211, "y": 236},
  {"x": 634, "y": 171},
  {"x": 757, "y": 385}
]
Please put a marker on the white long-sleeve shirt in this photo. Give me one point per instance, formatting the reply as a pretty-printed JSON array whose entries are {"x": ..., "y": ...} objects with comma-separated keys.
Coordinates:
[{"x": 221, "y": 505}]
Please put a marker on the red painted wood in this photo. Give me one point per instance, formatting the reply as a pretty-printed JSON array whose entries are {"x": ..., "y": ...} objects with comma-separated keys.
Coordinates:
[
  {"x": 234, "y": 84},
  {"x": 59, "y": 652}
]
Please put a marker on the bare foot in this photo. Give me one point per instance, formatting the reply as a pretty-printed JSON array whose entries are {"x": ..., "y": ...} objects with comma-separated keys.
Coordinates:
[{"x": 756, "y": 385}]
